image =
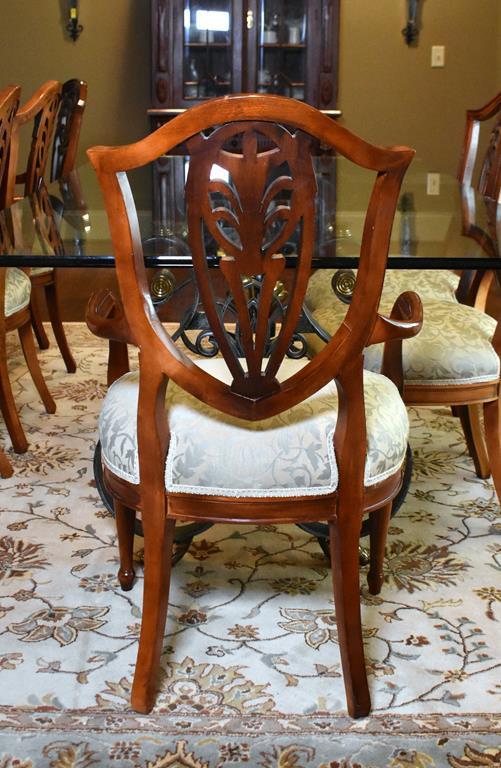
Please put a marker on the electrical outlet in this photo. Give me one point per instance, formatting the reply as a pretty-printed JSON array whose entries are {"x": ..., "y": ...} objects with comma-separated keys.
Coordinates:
[
  {"x": 433, "y": 184},
  {"x": 438, "y": 55}
]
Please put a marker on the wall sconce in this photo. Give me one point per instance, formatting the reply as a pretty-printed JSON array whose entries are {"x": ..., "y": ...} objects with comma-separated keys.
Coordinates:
[
  {"x": 411, "y": 31},
  {"x": 73, "y": 27}
]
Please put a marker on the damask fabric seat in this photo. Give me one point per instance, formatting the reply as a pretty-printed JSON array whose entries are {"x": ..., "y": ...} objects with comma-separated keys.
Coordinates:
[
  {"x": 442, "y": 353},
  {"x": 40, "y": 270},
  {"x": 288, "y": 455},
  {"x": 17, "y": 290},
  {"x": 431, "y": 285}
]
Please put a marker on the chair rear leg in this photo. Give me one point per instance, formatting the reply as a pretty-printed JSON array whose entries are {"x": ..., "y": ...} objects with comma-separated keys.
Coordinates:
[
  {"x": 125, "y": 518},
  {"x": 36, "y": 316},
  {"x": 57, "y": 325},
  {"x": 344, "y": 542},
  {"x": 158, "y": 541},
  {"x": 474, "y": 436},
  {"x": 30, "y": 355},
  {"x": 492, "y": 439},
  {"x": 379, "y": 521}
]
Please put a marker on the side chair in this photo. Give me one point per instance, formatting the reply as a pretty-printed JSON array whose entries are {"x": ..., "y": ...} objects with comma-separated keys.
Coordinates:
[
  {"x": 15, "y": 291},
  {"x": 233, "y": 413},
  {"x": 455, "y": 360},
  {"x": 44, "y": 111}
]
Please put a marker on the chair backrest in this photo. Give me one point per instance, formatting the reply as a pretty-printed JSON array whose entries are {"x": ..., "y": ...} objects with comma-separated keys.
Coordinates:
[
  {"x": 489, "y": 179},
  {"x": 9, "y": 102},
  {"x": 41, "y": 110},
  {"x": 261, "y": 198},
  {"x": 68, "y": 125}
]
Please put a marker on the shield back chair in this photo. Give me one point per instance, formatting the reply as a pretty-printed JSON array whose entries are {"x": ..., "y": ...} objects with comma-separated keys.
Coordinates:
[
  {"x": 235, "y": 410},
  {"x": 44, "y": 111},
  {"x": 455, "y": 360},
  {"x": 15, "y": 290}
]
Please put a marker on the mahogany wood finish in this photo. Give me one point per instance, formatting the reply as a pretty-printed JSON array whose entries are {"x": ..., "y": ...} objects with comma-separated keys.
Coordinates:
[
  {"x": 20, "y": 321},
  {"x": 56, "y": 111},
  {"x": 9, "y": 102},
  {"x": 489, "y": 182},
  {"x": 270, "y": 194},
  {"x": 321, "y": 44},
  {"x": 68, "y": 126}
]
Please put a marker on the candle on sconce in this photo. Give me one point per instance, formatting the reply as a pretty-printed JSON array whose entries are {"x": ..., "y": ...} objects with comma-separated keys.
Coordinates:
[{"x": 73, "y": 27}]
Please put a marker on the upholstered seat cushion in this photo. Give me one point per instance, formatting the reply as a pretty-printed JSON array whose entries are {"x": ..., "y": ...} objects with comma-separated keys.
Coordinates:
[
  {"x": 432, "y": 285},
  {"x": 17, "y": 290},
  {"x": 453, "y": 346},
  {"x": 34, "y": 271},
  {"x": 288, "y": 455}
]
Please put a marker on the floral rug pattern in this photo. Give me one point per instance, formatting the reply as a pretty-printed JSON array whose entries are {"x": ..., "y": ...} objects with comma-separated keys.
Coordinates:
[{"x": 250, "y": 671}]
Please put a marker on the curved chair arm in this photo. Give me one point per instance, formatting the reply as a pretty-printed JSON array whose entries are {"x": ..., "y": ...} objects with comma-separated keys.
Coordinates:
[
  {"x": 405, "y": 321},
  {"x": 105, "y": 318}
]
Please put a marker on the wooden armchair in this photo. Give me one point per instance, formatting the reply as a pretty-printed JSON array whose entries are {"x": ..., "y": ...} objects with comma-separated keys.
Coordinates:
[
  {"x": 15, "y": 290},
  {"x": 455, "y": 360},
  {"x": 44, "y": 111},
  {"x": 237, "y": 413}
]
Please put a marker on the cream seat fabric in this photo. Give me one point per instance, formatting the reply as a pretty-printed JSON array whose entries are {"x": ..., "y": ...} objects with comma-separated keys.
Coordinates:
[
  {"x": 41, "y": 270},
  {"x": 17, "y": 290},
  {"x": 288, "y": 455},
  {"x": 440, "y": 284},
  {"x": 442, "y": 353}
]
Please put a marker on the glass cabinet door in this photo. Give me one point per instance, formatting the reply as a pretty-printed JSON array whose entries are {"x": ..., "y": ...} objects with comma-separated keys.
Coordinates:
[
  {"x": 281, "y": 47},
  {"x": 207, "y": 49}
]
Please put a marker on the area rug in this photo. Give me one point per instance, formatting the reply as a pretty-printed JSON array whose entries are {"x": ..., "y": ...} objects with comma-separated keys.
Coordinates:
[{"x": 250, "y": 668}]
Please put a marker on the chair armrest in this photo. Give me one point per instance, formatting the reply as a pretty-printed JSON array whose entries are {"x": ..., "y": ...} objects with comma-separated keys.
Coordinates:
[
  {"x": 405, "y": 321},
  {"x": 105, "y": 318}
]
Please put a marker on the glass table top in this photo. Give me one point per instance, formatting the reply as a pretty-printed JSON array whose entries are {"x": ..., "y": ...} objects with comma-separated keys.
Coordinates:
[{"x": 65, "y": 223}]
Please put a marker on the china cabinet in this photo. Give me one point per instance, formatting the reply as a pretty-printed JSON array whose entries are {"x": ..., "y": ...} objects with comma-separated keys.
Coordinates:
[{"x": 207, "y": 48}]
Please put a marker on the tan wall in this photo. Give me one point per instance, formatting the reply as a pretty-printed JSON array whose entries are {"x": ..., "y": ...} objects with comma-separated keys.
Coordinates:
[{"x": 388, "y": 91}]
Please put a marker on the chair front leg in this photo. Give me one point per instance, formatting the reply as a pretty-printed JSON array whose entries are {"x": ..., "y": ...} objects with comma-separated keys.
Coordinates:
[
  {"x": 344, "y": 541},
  {"x": 469, "y": 416},
  {"x": 8, "y": 405},
  {"x": 30, "y": 355},
  {"x": 492, "y": 425},
  {"x": 158, "y": 541},
  {"x": 5, "y": 465}
]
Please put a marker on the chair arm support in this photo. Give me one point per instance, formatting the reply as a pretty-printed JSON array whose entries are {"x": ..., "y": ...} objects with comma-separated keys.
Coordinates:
[
  {"x": 105, "y": 318},
  {"x": 404, "y": 322}
]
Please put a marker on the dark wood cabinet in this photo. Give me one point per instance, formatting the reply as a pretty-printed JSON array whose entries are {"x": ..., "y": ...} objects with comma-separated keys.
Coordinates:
[{"x": 207, "y": 48}]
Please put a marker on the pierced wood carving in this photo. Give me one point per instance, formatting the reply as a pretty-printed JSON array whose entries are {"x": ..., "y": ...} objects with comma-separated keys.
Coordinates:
[
  {"x": 43, "y": 129},
  {"x": 9, "y": 102},
  {"x": 490, "y": 176},
  {"x": 45, "y": 224},
  {"x": 251, "y": 202}
]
